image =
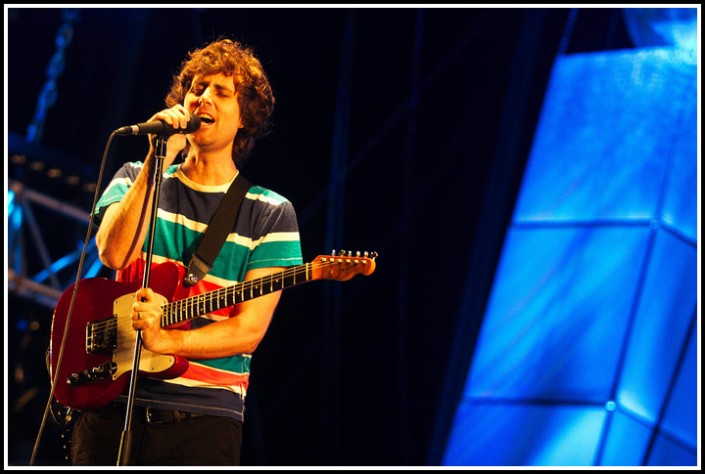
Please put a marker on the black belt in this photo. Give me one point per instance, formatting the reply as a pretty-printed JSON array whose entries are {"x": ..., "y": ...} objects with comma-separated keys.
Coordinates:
[
  {"x": 151, "y": 415},
  {"x": 156, "y": 415}
]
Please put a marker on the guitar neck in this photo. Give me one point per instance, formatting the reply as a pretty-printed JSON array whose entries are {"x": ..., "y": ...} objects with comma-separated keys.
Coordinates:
[
  {"x": 324, "y": 267},
  {"x": 192, "y": 307}
]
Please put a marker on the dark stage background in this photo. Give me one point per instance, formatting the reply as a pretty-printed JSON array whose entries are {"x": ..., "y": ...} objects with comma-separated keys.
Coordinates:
[{"x": 395, "y": 130}]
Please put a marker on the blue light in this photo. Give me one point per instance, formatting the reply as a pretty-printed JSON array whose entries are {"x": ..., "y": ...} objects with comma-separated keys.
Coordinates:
[
  {"x": 22, "y": 325},
  {"x": 663, "y": 26},
  {"x": 10, "y": 201}
]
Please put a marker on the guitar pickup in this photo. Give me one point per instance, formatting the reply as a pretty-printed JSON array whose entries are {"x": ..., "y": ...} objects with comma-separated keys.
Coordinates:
[
  {"x": 101, "y": 336},
  {"x": 99, "y": 372}
]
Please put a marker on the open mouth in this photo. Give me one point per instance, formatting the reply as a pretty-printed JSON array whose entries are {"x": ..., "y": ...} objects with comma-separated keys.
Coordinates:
[{"x": 207, "y": 119}]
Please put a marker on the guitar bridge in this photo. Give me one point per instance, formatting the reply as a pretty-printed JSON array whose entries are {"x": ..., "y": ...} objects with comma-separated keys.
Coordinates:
[{"x": 101, "y": 336}]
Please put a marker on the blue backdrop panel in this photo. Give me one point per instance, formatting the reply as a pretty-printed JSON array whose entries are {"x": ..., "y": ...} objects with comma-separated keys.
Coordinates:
[
  {"x": 626, "y": 442},
  {"x": 524, "y": 435},
  {"x": 681, "y": 416},
  {"x": 680, "y": 207},
  {"x": 555, "y": 324},
  {"x": 669, "y": 453},
  {"x": 588, "y": 353},
  {"x": 665, "y": 314},
  {"x": 607, "y": 136}
]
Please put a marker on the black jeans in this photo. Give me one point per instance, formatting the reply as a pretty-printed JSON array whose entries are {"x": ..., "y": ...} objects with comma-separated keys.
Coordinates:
[{"x": 157, "y": 438}]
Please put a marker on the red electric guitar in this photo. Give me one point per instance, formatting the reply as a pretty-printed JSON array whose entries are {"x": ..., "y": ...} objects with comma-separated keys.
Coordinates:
[{"x": 100, "y": 344}]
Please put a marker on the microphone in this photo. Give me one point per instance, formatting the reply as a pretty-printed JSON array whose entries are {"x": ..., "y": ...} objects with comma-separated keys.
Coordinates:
[{"x": 160, "y": 127}]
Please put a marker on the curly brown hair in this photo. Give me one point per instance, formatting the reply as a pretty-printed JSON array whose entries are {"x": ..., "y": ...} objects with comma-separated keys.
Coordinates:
[{"x": 255, "y": 96}]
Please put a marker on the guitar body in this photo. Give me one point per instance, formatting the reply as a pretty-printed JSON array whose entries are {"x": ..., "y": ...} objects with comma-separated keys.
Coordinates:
[{"x": 99, "y": 351}]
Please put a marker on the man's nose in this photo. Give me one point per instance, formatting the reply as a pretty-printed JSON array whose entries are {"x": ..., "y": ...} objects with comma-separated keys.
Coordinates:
[{"x": 206, "y": 96}]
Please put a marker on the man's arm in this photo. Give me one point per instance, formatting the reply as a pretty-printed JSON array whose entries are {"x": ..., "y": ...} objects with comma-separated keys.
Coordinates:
[{"x": 124, "y": 225}]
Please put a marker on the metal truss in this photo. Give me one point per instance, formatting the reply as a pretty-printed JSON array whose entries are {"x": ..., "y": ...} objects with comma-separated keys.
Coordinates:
[{"x": 43, "y": 255}]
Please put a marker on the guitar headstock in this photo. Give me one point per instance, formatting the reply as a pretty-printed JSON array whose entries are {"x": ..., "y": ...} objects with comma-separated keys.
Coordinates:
[{"x": 343, "y": 265}]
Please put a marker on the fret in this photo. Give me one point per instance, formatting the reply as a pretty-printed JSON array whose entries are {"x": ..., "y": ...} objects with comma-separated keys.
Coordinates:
[{"x": 322, "y": 268}]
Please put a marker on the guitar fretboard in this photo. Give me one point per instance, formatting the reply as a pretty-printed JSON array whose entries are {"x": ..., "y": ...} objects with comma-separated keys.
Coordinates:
[{"x": 192, "y": 307}]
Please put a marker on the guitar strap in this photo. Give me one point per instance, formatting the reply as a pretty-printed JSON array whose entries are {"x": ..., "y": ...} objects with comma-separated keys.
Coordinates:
[{"x": 221, "y": 224}]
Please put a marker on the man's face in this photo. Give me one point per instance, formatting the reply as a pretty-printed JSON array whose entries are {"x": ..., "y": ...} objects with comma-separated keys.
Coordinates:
[{"x": 214, "y": 99}]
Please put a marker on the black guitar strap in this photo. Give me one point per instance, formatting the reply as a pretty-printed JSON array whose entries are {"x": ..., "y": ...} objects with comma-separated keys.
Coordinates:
[{"x": 221, "y": 224}]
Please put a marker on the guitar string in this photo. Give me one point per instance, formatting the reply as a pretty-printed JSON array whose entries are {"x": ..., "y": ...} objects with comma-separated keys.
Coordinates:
[
  {"x": 173, "y": 308},
  {"x": 189, "y": 304}
]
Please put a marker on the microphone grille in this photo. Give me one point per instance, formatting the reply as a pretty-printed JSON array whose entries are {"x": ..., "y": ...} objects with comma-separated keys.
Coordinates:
[{"x": 194, "y": 123}]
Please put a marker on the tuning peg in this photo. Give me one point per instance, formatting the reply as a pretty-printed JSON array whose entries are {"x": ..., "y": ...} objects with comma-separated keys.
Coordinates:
[{"x": 346, "y": 253}]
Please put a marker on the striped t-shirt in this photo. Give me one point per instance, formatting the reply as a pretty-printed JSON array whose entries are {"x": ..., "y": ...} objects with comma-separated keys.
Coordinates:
[{"x": 266, "y": 235}]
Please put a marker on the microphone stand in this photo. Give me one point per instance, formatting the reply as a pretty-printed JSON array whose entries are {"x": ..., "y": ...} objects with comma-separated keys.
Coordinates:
[{"x": 126, "y": 437}]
